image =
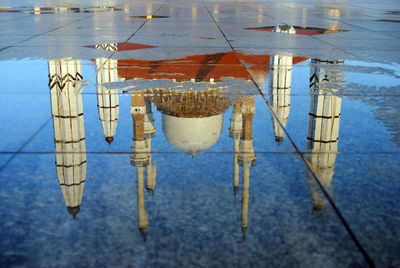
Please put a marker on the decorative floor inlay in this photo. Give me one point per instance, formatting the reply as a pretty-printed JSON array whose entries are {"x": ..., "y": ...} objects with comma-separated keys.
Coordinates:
[
  {"x": 302, "y": 30},
  {"x": 123, "y": 46}
]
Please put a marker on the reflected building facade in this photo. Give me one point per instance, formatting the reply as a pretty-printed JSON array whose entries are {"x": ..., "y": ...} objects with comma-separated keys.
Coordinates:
[
  {"x": 192, "y": 120},
  {"x": 65, "y": 76}
]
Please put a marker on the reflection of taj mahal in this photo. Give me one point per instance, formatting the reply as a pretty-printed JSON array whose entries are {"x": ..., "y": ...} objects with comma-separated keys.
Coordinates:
[{"x": 191, "y": 121}]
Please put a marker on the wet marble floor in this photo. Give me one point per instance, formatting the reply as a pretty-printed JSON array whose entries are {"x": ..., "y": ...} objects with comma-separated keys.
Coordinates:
[{"x": 199, "y": 134}]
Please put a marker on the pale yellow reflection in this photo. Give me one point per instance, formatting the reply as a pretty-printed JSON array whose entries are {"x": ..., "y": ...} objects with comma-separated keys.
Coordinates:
[
  {"x": 149, "y": 10},
  {"x": 260, "y": 15},
  {"x": 216, "y": 9},
  {"x": 304, "y": 16},
  {"x": 194, "y": 13}
]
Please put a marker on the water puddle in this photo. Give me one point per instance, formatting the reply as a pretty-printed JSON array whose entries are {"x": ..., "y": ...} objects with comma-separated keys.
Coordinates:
[{"x": 155, "y": 145}]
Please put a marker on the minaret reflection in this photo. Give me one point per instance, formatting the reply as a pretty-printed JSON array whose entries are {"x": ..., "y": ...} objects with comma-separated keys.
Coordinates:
[
  {"x": 149, "y": 133},
  {"x": 246, "y": 157},
  {"x": 280, "y": 85},
  {"x": 235, "y": 132},
  {"x": 141, "y": 154},
  {"x": 69, "y": 132},
  {"x": 323, "y": 123},
  {"x": 107, "y": 99}
]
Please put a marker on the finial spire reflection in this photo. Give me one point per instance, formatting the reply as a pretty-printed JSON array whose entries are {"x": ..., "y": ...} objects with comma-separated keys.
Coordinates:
[
  {"x": 143, "y": 131},
  {"x": 235, "y": 132},
  {"x": 246, "y": 157}
]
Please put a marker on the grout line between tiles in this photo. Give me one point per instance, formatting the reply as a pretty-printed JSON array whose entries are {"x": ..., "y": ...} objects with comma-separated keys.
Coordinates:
[
  {"x": 200, "y": 153},
  {"x": 323, "y": 41},
  {"x": 267, "y": 16},
  {"x": 13, "y": 19},
  {"x": 130, "y": 152},
  {"x": 388, "y": 71},
  {"x": 37, "y": 35},
  {"x": 24, "y": 145}
]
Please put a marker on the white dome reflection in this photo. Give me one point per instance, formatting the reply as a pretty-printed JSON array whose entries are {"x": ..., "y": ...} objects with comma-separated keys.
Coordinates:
[{"x": 192, "y": 134}]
